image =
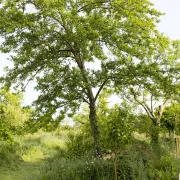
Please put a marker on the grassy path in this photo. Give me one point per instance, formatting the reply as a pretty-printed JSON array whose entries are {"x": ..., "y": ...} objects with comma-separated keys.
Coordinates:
[
  {"x": 35, "y": 149},
  {"x": 25, "y": 171}
]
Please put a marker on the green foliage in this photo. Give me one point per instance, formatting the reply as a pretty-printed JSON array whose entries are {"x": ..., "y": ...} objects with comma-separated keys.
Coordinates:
[
  {"x": 32, "y": 154},
  {"x": 10, "y": 154},
  {"x": 84, "y": 169},
  {"x": 55, "y": 41},
  {"x": 12, "y": 115},
  {"x": 80, "y": 141},
  {"x": 25, "y": 158},
  {"x": 142, "y": 124},
  {"x": 115, "y": 124},
  {"x": 79, "y": 144},
  {"x": 138, "y": 161},
  {"x": 171, "y": 118},
  {"x": 116, "y": 129},
  {"x": 74, "y": 160},
  {"x": 147, "y": 165},
  {"x": 40, "y": 144},
  {"x": 165, "y": 167}
]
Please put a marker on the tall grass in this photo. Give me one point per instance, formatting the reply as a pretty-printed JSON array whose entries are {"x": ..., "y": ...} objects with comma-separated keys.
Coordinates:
[
  {"x": 87, "y": 168},
  {"x": 67, "y": 156},
  {"x": 78, "y": 169},
  {"x": 30, "y": 147},
  {"x": 10, "y": 154},
  {"x": 137, "y": 162}
]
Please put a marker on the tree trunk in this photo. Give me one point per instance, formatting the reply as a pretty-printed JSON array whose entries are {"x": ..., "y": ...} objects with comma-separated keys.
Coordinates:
[
  {"x": 155, "y": 136},
  {"x": 115, "y": 167},
  {"x": 94, "y": 129},
  {"x": 92, "y": 106}
]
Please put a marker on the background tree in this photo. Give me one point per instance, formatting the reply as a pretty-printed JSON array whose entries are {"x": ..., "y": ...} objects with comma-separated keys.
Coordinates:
[
  {"x": 55, "y": 40},
  {"x": 12, "y": 115},
  {"x": 155, "y": 81},
  {"x": 151, "y": 96},
  {"x": 171, "y": 119}
]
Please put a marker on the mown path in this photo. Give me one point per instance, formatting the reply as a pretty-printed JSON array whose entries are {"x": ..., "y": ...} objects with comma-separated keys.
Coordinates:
[
  {"x": 35, "y": 149},
  {"x": 25, "y": 171}
]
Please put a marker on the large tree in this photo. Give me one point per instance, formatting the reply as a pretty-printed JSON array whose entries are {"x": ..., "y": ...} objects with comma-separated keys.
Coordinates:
[{"x": 54, "y": 40}]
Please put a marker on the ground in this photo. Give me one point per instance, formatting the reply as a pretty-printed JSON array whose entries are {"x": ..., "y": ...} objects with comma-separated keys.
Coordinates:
[
  {"x": 25, "y": 171},
  {"x": 35, "y": 150}
]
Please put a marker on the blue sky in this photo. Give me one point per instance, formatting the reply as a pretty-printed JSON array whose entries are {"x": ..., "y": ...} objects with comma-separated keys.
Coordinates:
[{"x": 169, "y": 25}]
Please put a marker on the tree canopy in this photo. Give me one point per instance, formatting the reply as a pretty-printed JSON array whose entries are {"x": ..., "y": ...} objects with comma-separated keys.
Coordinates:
[{"x": 53, "y": 42}]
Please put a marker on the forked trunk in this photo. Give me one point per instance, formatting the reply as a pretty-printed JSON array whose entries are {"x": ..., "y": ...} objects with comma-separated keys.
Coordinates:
[{"x": 92, "y": 107}]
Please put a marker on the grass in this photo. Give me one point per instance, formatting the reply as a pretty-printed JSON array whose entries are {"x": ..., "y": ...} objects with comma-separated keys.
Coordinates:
[
  {"x": 25, "y": 171},
  {"x": 47, "y": 156},
  {"x": 34, "y": 149}
]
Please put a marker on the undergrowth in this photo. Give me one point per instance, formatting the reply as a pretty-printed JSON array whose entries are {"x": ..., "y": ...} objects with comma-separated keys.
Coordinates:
[
  {"x": 10, "y": 154},
  {"x": 68, "y": 155},
  {"x": 137, "y": 162}
]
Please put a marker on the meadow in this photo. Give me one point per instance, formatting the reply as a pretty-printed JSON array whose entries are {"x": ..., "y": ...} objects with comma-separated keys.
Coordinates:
[{"x": 54, "y": 155}]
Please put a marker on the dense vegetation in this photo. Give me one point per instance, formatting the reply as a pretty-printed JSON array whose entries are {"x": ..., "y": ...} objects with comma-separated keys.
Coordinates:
[
  {"x": 67, "y": 152},
  {"x": 54, "y": 43}
]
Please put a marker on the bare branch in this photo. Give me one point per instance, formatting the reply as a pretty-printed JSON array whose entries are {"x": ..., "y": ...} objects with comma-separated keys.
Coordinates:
[
  {"x": 161, "y": 109},
  {"x": 143, "y": 104}
]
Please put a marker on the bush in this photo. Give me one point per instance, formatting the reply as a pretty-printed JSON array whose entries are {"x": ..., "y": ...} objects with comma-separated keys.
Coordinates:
[
  {"x": 86, "y": 169},
  {"x": 50, "y": 141},
  {"x": 131, "y": 164},
  {"x": 79, "y": 144},
  {"x": 148, "y": 165},
  {"x": 33, "y": 153},
  {"x": 10, "y": 154},
  {"x": 39, "y": 145},
  {"x": 165, "y": 168},
  {"x": 137, "y": 162}
]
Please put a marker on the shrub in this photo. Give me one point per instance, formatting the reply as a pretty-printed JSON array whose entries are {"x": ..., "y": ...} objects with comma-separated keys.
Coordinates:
[
  {"x": 86, "y": 169},
  {"x": 10, "y": 153},
  {"x": 165, "y": 168},
  {"x": 33, "y": 153},
  {"x": 79, "y": 144},
  {"x": 131, "y": 164},
  {"x": 137, "y": 162}
]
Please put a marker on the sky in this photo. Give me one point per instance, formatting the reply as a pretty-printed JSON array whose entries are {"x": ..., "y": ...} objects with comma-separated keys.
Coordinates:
[{"x": 169, "y": 25}]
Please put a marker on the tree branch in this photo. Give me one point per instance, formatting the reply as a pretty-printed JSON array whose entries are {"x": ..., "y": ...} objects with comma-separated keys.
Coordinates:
[
  {"x": 85, "y": 100},
  {"x": 32, "y": 78},
  {"x": 152, "y": 103},
  {"x": 161, "y": 109},
  {"x": 86, "y": 5},
  {"x": 145, "y": 106},
  {"x": 99, "y": 90}
]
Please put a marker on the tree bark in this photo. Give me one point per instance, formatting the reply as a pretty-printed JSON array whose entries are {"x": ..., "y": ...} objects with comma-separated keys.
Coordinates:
[
  {"x": 92, "y": 105},
  {"x": 154, "y": 132},
  {"x": 94, "y": 129}
]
